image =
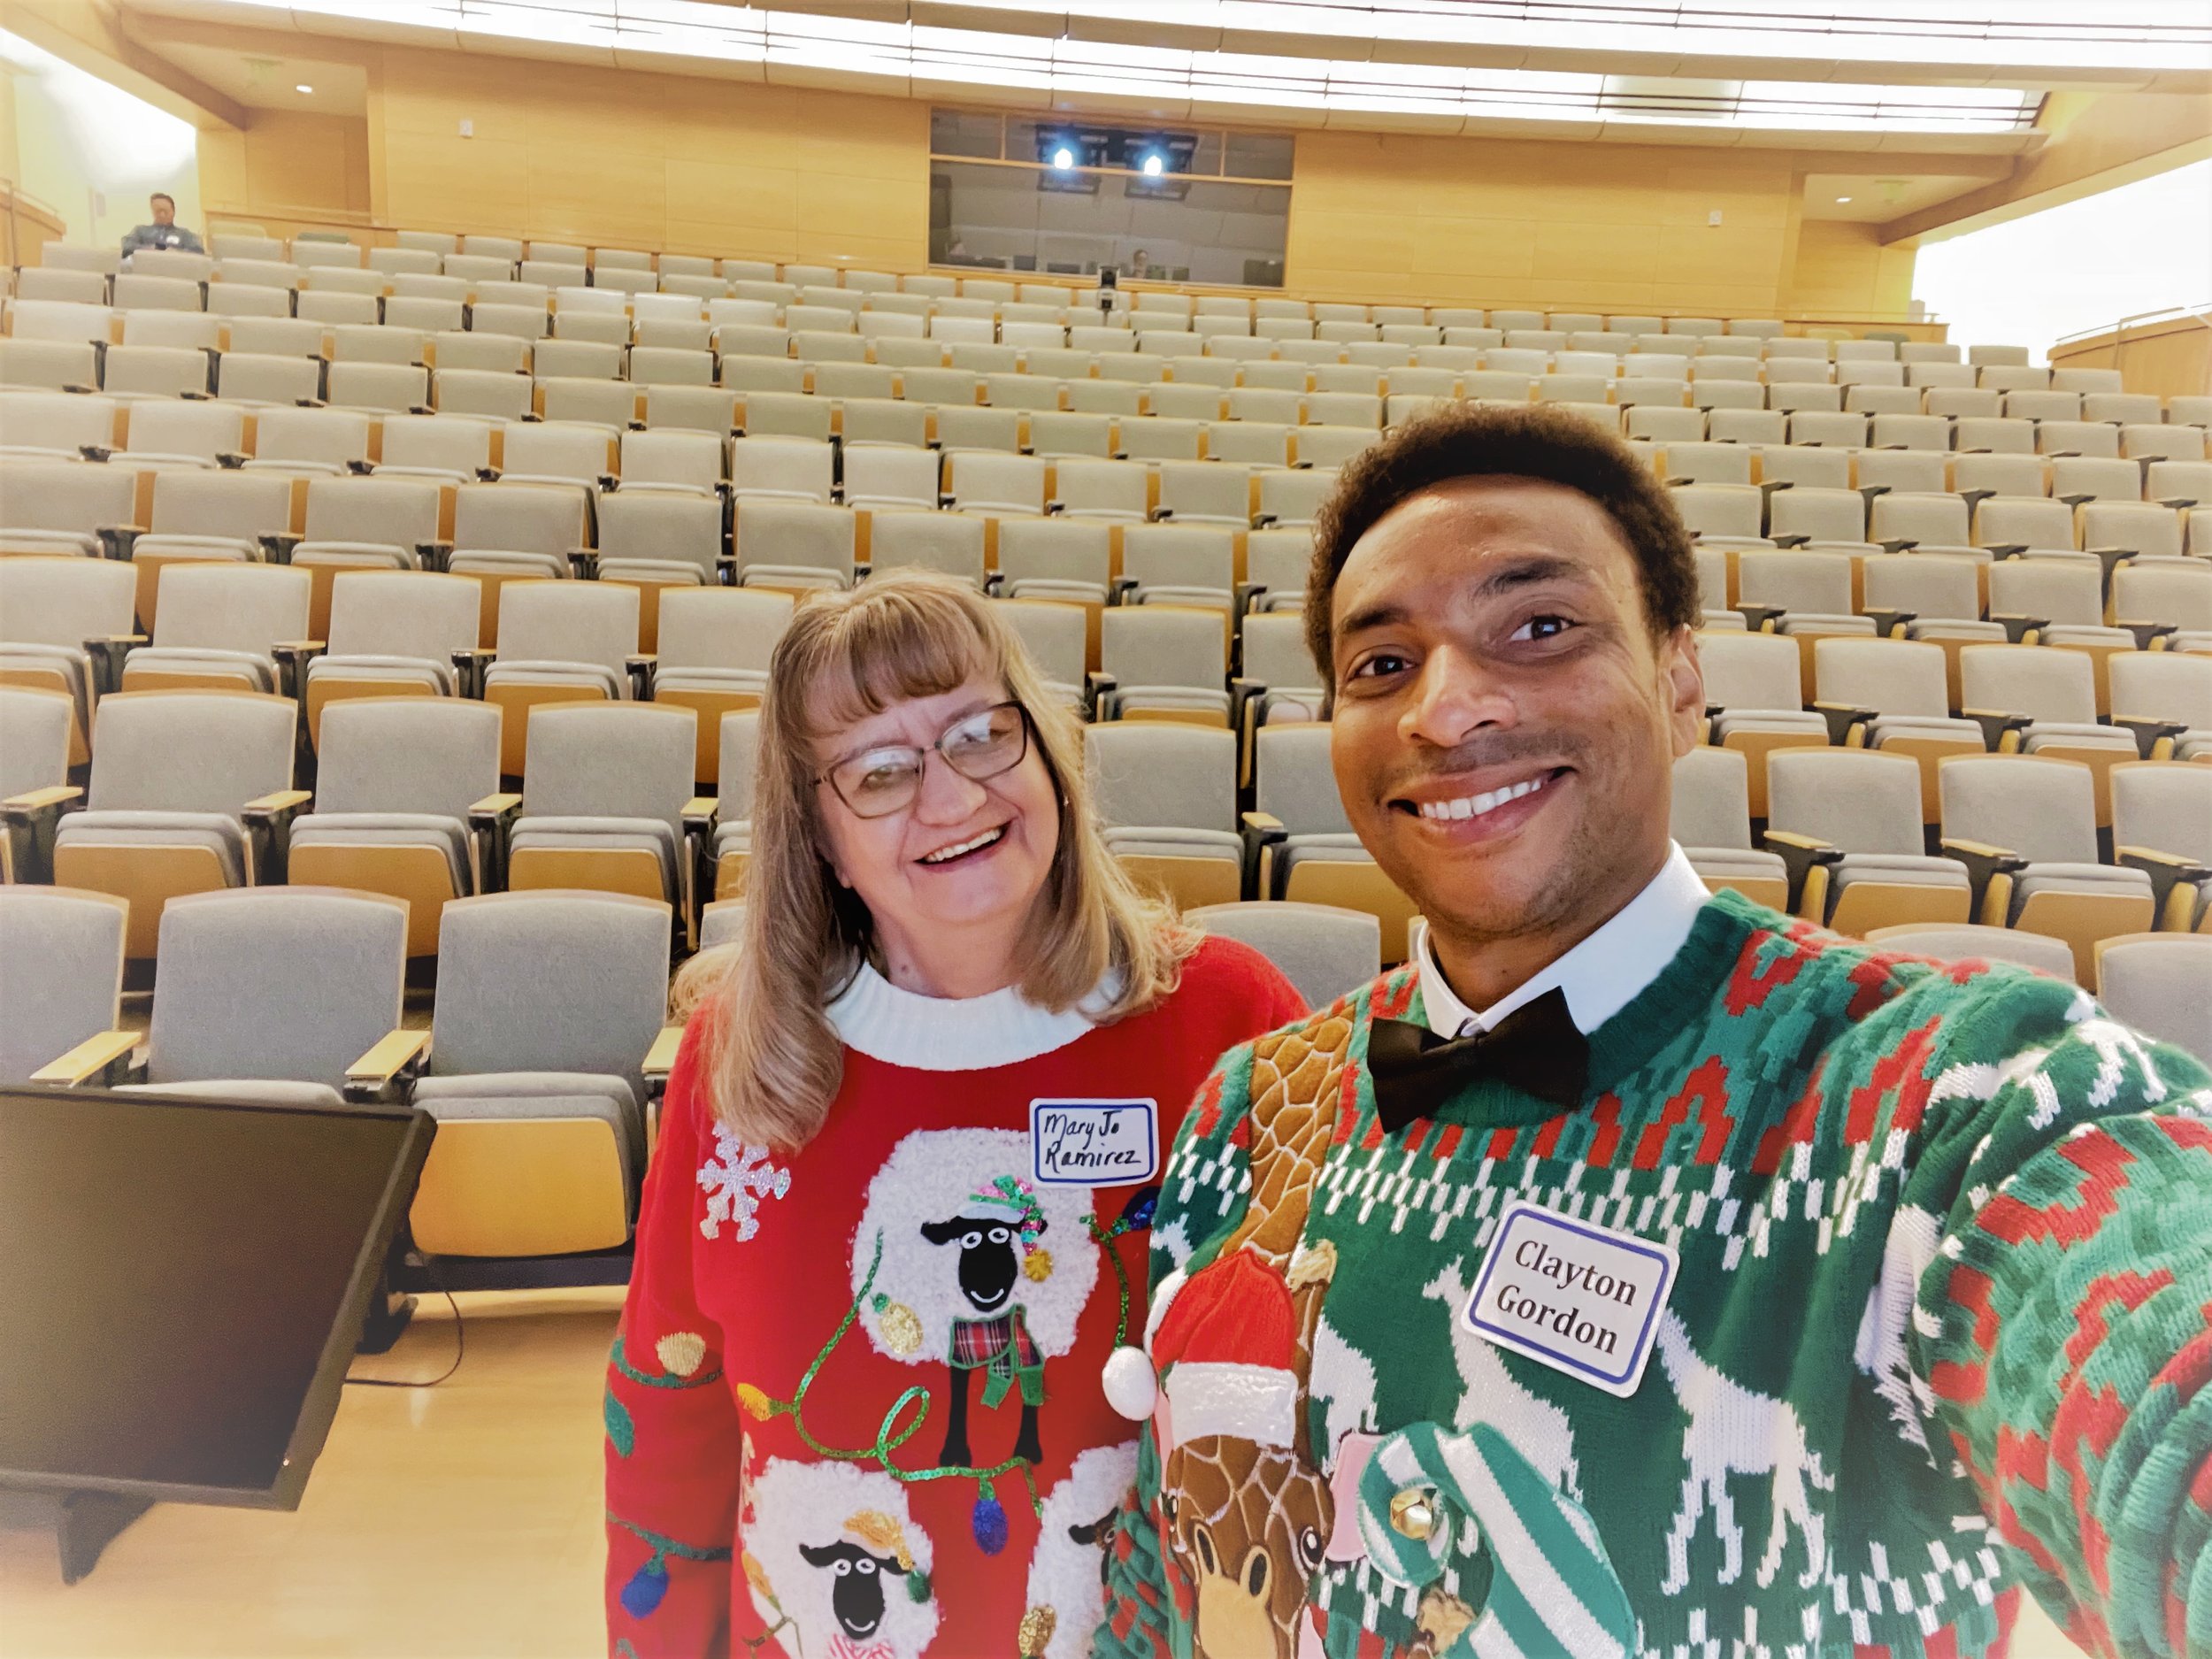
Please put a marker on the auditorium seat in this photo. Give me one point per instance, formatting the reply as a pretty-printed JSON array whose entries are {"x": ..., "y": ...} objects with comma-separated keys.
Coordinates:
[
  {"x": 1754, "y": 697},
  {"x": 34, "y": 737},
  {"x": 1166, "y": 796},
  {"x": 994, "y": 484},
  {"x": 1710, "y": 819},
  {"x": 2131, "y": 530},
  {"x": 559, "y": 642},
  {"x": 2026, "y": 828},
  {"x": 879, "y": 474},
  {"x": 224, "y": 628},
  {"x": 197, "y": 517},
  {"x": 1184, "y": 563},
  {"x": 174, "y": 775},
  {"x": 1324, "y": 951},
  {"x": 738, "y": 749},
  {"x": 1273, "y": 655},
  {"x": 792, "y": 542},
  {"x": 657, "y": 541},
  {"x": 1204, "y": 493},
  {"x": 604, "y": 801},
  {"x": 392, "y": 634},
  {"x": 163, "y": 433},
  {"x": 1292, "y": 497},
  {"x": 505, "y": 531},
  {"x": 1300, "y": 846},
  {"x": 950, "y": 543},
  {"x": 547, "y": 1009},
  {"x": 1166, "y": 663},
  {"x": 1866, "y": 808},
  {"x": 446, "y": 449},
  {"x": 715, "y": 644},
  {"x": 2076, "y": 478},
  {"x": 1277, "y": 560},
  {"x": 397, "y": 778},
  {"x": 61, "y": 980},
  {"x": 2161, "y": 824},
  {"x": 2043, "y": 701},
  {"x": 63, "y": 623}
]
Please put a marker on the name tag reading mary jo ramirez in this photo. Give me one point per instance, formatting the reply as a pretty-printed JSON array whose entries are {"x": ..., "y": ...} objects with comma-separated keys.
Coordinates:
[
  {"x": 1580, "y": 1298},
  {"x": 1093, "y": 1142}
]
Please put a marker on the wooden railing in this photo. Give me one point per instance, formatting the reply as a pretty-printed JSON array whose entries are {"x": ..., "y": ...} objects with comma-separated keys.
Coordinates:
[{"x": 2166, "y": 352}]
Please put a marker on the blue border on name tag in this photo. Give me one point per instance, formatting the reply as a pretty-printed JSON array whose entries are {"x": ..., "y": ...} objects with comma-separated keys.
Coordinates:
[
  {"x": 1147, "y": 1106},
  {"x": 1638, "y": 1350}
]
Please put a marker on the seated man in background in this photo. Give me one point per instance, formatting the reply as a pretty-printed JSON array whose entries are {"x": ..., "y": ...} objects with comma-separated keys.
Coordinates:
[
  {"x": 1637, "y": 1271},
  {"x": 164, "y": 232}
]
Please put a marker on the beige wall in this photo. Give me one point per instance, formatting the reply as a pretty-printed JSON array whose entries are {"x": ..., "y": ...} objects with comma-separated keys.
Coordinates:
[
  {"x": 1577, "y": 224},
  {"x": 643, "y": 160},
  {"x": 287, "y": 165}
]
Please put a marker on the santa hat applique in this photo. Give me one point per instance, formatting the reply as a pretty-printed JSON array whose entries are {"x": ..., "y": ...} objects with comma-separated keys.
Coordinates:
[{"x": 1225, "y": 1348}]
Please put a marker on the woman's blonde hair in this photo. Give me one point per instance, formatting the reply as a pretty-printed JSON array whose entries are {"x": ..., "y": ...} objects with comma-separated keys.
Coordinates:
[{"x": 773, "y": 1061}]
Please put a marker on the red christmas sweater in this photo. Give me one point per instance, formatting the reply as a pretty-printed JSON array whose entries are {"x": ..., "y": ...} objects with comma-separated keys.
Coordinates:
[{"x": 854, "y": 1409}]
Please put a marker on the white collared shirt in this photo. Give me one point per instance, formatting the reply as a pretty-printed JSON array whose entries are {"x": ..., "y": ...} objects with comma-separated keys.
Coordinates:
[{"x": 1603, "y": 974}]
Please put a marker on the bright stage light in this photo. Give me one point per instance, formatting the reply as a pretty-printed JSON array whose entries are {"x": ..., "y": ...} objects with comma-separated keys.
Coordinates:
[
  {"x": 1064, "y": 158},
  {"x": 1154, "y": 166}
]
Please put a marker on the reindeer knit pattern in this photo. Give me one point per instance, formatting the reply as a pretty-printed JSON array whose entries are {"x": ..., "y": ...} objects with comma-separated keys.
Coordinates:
[
  {"x": 853, "y": 1411},
  {"x": 1943, "y": 1329}
]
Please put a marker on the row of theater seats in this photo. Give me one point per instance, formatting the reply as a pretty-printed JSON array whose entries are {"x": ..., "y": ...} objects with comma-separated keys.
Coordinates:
[{"x": 1209, "y": 670}]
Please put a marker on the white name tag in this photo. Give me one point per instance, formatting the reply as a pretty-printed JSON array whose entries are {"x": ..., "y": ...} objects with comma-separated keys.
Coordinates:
[
  {"x": 1583, "y": 1299},
  {"x": 1093, "y": 1142}
]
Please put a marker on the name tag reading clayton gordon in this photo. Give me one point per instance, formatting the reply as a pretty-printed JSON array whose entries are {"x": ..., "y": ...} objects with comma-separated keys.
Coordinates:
[
  {"x": 1582, "y": 1299},
  {"x": 1093, "y": 1142}
]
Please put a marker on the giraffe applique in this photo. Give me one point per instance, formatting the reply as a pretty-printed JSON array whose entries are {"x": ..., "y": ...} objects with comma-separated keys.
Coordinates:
[{"x": 1246, "y": 1513}]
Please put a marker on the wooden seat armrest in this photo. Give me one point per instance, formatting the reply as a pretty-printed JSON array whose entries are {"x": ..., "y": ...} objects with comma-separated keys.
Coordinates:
[
  {"x": 1801, "y": 856},
  {"x": 394, "y": 1054},
  {"x": 491, "y": 821},
  {"x": 1841, "y": 717},
  {"x": 660, "y": 1060},
  {"x": 94, "y": 1057},
  {"x": 2146, "y": 632},
  {"x": 2149, "y": 732},
  {"x": 32, "y": 802},
  {"x": 495, "y": 806},
  {"x": 1995, "y": 723},
  {"x": 700, "y": 812},
  {"x": 2018, "y": 628},
  {"x": 278, "y": 802},
  {"x": 108, "y": 652},
  {"x": 1889, "y": 624},
  {"x": 1983, "y": 863},
  {"x": 1261, "y": 830},
  {"x": 2167, "y": 871}
]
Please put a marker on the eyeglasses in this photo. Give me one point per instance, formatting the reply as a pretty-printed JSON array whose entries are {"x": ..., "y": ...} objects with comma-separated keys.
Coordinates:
[{"x": 879, "y": 781}]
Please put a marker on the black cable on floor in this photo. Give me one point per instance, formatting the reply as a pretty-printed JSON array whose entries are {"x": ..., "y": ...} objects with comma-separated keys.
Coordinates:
[{"x": 460, "y": 1343}]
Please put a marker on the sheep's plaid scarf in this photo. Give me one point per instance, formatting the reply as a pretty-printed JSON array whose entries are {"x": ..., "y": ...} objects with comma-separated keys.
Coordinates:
[{"x": 1003, "y": 1347}]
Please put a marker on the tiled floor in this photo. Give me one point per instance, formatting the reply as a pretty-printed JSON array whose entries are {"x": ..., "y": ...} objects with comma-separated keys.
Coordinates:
[{"x": 461, "y": 1522}]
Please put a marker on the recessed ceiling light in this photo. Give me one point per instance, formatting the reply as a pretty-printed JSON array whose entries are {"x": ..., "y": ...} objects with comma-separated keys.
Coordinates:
[
  {"x": 1064, "y": 158},
  {"x": 303, "y": 87},
  {"x": 1841, "y": 199},
  {"x": 1153, "y": 166}
]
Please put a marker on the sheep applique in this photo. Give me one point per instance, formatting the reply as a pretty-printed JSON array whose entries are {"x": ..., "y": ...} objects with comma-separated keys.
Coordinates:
[
  {"x": 980, "y": 1270},
  {"x": 837, "y": 1568},
  {"x": 1067, "y": 1574}
]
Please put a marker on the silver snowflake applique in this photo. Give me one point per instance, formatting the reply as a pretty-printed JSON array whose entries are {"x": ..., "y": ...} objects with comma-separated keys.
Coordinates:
[{"x": 736, "y": 1179}]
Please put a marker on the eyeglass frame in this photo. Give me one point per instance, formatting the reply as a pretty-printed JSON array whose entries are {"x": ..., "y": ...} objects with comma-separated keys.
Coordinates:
[{"x": 921, "y": 757}]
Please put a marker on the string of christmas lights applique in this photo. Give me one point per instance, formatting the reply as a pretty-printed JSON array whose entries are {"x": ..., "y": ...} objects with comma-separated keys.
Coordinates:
[{"x": 1005, "y": 1354}]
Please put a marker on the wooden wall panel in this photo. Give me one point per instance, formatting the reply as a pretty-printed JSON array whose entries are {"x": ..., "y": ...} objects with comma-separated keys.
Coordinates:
[{"x": 634, "y": 159}]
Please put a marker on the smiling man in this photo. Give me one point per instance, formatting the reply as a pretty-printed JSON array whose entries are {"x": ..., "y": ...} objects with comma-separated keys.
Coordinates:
[{"x": 1638, "y": 1271}]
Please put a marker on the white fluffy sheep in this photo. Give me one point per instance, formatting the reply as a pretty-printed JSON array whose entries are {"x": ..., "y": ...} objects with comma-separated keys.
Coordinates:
[
  {"x": 1065, "y": 1573},
  {"x": 933, "y": 1176},
  {"x": 831, "y": 1548}
]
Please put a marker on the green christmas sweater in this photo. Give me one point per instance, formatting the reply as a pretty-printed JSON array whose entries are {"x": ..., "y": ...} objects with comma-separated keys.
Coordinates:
[{"x": 1939, "y": 1328}]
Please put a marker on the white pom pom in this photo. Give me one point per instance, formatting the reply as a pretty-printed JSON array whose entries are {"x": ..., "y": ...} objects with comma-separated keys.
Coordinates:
[{"x": 1131, "y": 1386}]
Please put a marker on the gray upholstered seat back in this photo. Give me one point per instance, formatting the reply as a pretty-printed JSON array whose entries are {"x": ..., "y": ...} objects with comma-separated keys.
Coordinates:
[
  {"x": 1296, "y": 783},
  {"x": 550, "y": 981},
  {"x": 189, "y": 751},
  {"x": 611, "y": 760},
  {"x": 403, "y": 613},
  {"x": 721, "y": 627},
  {"x": 424, "y": 755},
  {"x": 2043, "y": 809},
  {"x": 232, "y": 607},
  {"x": 569, "y": 622},
  {"x": 243, "y": 505},
  {"x": 63, "y": 600},
  {"x": 1323, "y": 950},
  {"x": 34, "y": 740},
  {"x": 1160, "y": 774},
  {"x": 294, "y": 983},
  {"x": 400, "y": 511},
  {"x": 1854, "y": 799},
  {"x": 61, "y": 973},
  {"x": 1712, "y": 799}
]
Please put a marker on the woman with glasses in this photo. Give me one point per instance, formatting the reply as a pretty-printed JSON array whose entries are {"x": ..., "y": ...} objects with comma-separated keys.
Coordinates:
[{"x": 898, "y": 1214}]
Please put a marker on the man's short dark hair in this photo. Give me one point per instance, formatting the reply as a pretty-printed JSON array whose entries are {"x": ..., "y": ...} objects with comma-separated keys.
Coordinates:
[
  {"x": 161, "y": 195},
  {"x": 1519, "y": 441}
]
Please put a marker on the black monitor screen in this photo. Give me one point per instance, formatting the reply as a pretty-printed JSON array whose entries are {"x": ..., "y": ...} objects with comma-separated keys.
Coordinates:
[{"x": 181, "y": 1285}]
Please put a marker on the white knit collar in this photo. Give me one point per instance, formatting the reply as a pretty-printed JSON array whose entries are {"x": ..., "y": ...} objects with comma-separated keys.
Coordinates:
[
  {"x": 1603, "y": 974},
  {"x": 967, "y": 1033}
]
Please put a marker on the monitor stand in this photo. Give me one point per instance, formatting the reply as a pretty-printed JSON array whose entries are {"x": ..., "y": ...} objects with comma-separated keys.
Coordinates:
[{"x": 84, "y": 1523}]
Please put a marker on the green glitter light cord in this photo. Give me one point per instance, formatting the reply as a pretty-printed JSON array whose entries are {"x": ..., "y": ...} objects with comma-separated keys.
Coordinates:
[{"x": 889, "y": 1435}]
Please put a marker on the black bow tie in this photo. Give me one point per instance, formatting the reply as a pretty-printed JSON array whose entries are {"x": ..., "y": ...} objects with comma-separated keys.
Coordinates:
[{"x": 1536, "y": 1048}]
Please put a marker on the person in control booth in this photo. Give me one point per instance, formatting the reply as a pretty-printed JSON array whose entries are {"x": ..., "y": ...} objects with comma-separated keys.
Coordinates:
[
  {"x": 164, "y": 232},
  {"x": 895, "y": 1219},
  {"x": 1636, "y": 1270}
]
